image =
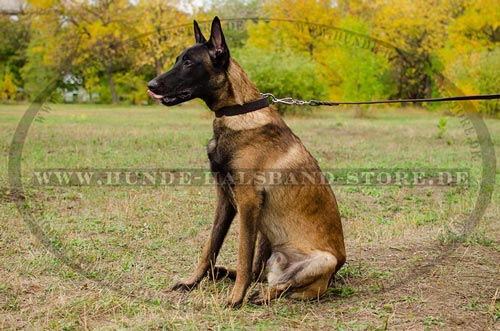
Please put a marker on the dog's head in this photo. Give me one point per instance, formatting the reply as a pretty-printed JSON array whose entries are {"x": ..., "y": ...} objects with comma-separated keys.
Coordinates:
[{"x": 199, "y": 71}]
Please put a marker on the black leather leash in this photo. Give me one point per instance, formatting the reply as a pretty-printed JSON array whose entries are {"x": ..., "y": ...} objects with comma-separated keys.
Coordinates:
[
  {"x": 264, "y": 102},
  {"x": 456, "y": 98},
  {"x": 290, "y": 101}
]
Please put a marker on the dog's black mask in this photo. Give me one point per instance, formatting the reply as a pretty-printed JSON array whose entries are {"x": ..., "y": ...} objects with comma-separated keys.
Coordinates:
[{"x": 198, "y": 72}]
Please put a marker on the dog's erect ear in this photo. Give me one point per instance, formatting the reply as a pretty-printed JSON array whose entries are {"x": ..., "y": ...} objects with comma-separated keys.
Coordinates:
[
  {"x": 198, "y": 36},
  {"x": 217, "y": 44}
]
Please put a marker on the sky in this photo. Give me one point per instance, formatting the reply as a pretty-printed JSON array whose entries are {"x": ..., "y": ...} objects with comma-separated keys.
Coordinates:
[
  {"x": 10, "y": 5},
  {"x": 186, "y": 5}
]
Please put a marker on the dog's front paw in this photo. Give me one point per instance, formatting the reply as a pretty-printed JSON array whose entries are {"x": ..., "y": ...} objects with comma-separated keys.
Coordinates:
[
  {"x": 220, "y": 272},
  {"x": 233, "y": 304},
  {"x": 184, "y": 286},
  {"x": 237, "y": 297}
]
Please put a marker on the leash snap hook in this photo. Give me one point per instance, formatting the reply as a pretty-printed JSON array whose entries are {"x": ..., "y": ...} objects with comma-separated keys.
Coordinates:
[
  {"x": 271, "y": 96},
  {"x": 285, "y": 101}
]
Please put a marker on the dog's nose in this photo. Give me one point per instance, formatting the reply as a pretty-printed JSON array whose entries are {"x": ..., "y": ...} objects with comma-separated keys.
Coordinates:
[{"x": 152, "y": 84}]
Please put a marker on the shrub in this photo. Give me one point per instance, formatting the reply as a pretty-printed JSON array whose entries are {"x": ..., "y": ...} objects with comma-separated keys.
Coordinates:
[
  {"x": 477, "y": 73},
  {"x": 7, "y": 88},
  {"x": 284, "y": 74}
]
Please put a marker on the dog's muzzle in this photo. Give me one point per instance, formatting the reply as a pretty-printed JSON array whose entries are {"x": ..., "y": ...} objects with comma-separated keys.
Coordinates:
[
  {"x": 152, "y": 86},
  {"x": 168, "y": 99}
]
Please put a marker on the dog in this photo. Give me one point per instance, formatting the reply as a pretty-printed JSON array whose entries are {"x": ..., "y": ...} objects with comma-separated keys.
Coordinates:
[{"x": 292, "y": 232}]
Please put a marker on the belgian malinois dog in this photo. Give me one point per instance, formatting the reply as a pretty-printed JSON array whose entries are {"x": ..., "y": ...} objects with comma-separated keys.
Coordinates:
[{"x": 292, "y": 232}]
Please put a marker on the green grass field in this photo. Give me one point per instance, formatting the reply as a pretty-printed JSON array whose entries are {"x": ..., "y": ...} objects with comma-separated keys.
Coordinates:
[{"x": 125, "y": 246}]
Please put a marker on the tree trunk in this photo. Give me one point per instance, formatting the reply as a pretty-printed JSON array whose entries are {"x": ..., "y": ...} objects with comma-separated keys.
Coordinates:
[
  {"x": 159, "y": 67},
  {"x": 114, "y": 95},
  {"x": 428, "y": 86}
]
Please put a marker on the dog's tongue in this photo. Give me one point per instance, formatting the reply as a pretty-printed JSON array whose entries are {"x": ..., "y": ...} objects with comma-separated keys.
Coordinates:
[{"x": 154, "y": 95}]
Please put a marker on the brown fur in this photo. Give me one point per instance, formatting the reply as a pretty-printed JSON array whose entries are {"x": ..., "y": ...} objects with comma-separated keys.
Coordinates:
[{"x": 293, "y": 231}]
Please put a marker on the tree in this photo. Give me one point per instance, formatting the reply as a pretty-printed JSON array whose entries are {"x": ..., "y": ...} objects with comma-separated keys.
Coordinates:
[
  {"x": 361, "y": 74},
  {"x": 51, "y": 50},
  {"x": 228, "y": 9},
  {"x": 472, "y": 53},
  {"x": 108, "y": 30},
  {"x": 417, "y": 27},
  {"x": 14, "y": 40},
  {"x": 284, "y": 34},
  {"x": 159, "y": 42},
  {"x": 307, "y": 28},
  {"x": 298, "y": 78},
  {"x": 478, "y": 26},
  {"x": 7, "y": 88},
  {"x": 81, "y": 37},
  {"x": 298, "y": 27}
]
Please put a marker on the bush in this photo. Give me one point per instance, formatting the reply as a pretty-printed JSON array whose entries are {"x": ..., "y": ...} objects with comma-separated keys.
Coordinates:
[
  {"x": 477, "y": 73},
  {"x": 283, "y": 74},
  {"x": 131, "y": 88},
  {"x": 489, "y": 80},
  {"x": 7, "y": 88}
]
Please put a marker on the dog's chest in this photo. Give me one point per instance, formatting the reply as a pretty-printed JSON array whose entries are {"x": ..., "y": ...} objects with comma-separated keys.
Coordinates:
[{"x": 219, "y": 157}]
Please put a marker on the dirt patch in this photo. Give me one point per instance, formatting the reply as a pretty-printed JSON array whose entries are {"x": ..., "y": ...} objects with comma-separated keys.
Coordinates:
[{"x": 424, "y": 286}]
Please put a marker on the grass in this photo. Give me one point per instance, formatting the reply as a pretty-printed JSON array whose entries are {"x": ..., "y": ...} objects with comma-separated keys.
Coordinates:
[{"x": 407, "y": 269}]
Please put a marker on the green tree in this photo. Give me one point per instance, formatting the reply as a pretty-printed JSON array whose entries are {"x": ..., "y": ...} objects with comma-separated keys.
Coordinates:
[
  {"x": 351, "y": 73},
  {"x": 228, "y": 9},
  {"x": 299, "y": 29},
  {"x": 14, "y": 40},
  {"x": 299, "y": 78},
  {"x": 51, "y": 50},
  {"x": 360, "y": 73},
  {"x": 79, "y": 38}
]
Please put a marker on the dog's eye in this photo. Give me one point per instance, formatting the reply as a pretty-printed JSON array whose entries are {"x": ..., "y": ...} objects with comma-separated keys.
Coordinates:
[{"x": 187, "y": 62}]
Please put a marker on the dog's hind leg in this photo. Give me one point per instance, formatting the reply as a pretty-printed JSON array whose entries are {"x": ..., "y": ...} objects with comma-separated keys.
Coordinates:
[
  {"x": 298, "y": 276},
  {"x": 224, "y": 216},
  {"x": 262, "y": 253},
  {"x": 312, "y": 280}
]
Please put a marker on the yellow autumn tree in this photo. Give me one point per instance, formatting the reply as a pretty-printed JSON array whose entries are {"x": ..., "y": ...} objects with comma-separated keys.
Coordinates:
[
  {"x": 319, "y": 30},
  {"x": 417, "y": 27},
  {"x": 472, "y": 53},
  {"x": 108, "y": 39},
  {"x": 287, "y": 30},
  {"x": 477, "y": 26},
  {"x": 7, "y": 88},
  {"x": 164, "y": 32},
  {"x": 81, "y": 38}
]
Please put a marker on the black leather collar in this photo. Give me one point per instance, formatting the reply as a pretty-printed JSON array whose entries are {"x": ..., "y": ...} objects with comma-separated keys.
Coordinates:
[{"x": 243, "y": 109}]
